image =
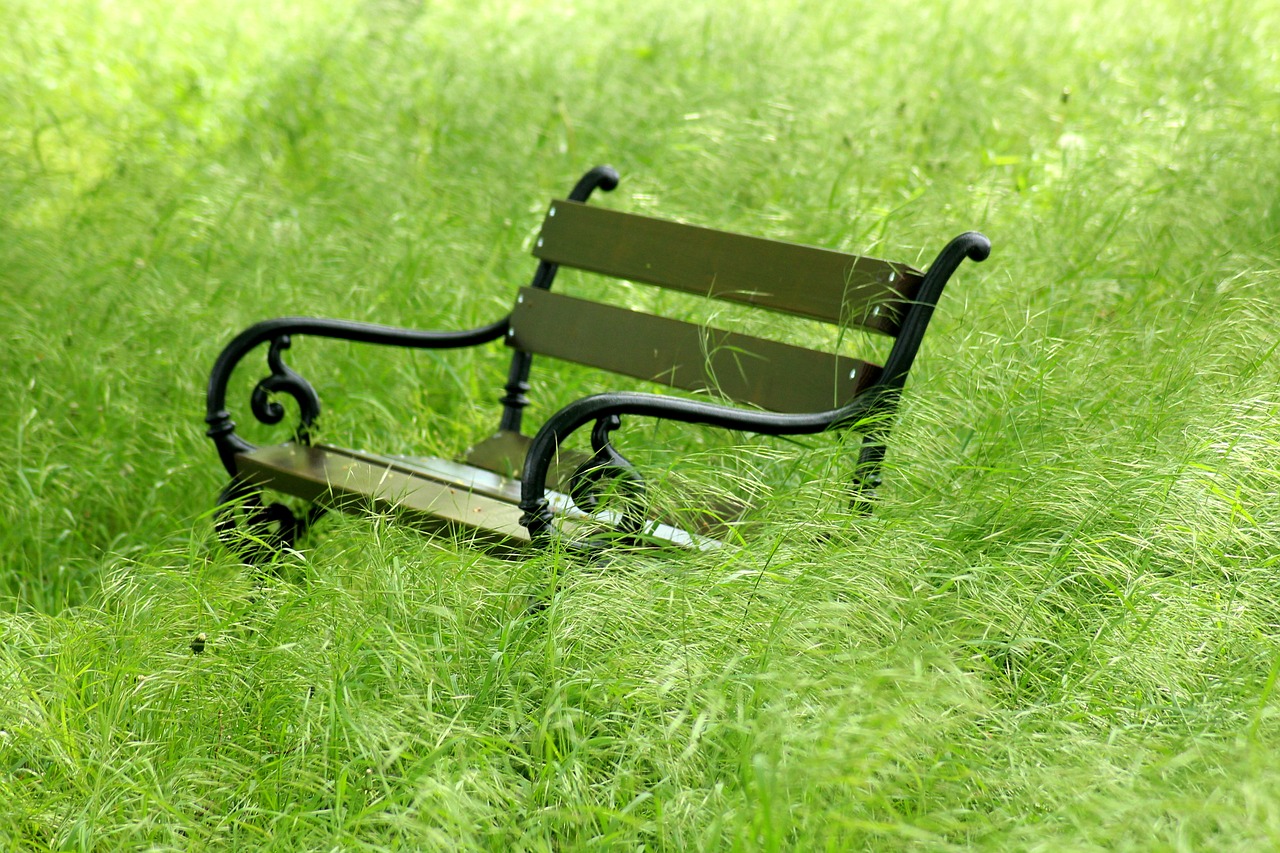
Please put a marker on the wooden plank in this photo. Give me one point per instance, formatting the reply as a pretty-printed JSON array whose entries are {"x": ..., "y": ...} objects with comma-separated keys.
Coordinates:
[
  {"x": 350, "y": 480},
  {"x": 804, "y": 280},
  {"x": 432, "y": 493},
  {"x": 775, "y": 376}
]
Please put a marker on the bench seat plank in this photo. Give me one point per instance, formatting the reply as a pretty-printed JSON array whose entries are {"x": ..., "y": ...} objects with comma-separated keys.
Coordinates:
[{"x": 434, "y": 493}]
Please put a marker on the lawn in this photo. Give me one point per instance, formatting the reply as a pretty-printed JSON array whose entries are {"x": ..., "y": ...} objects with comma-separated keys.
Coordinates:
[{"x": 1060, "y": 628}]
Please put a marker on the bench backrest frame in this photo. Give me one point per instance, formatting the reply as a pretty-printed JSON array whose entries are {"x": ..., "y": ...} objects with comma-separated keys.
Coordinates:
[{"x": 877, "y": 295}]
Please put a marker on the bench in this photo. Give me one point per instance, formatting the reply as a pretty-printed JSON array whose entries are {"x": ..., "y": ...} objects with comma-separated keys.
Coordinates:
[{"x": 520, "y": 488}]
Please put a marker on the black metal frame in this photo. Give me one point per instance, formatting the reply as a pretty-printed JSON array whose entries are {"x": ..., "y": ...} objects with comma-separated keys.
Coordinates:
[{"x": 872, "y": 410}]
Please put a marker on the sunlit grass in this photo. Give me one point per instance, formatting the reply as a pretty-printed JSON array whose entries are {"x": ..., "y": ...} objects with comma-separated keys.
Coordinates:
[{"x": 1056, "y": 631}]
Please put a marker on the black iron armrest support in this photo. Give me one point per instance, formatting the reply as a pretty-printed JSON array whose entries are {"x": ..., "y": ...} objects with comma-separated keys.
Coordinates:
[
  {"x": 603, "y": 407},
  {"x": 282, "y": 379},
  {"x": 972, "y": 245},
  {"x": 606, "y": 463}
]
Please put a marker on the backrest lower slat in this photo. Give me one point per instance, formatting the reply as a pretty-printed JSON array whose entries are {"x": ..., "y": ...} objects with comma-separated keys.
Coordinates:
[{"x": 775, "y": 376}]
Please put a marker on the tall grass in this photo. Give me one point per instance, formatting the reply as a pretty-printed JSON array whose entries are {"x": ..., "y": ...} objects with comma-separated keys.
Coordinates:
[{"x": 1058, "y": 630}]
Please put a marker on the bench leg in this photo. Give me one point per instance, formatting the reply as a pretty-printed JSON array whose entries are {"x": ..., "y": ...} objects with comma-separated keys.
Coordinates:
[
  {"x": 866, "y": 477},
  {"x": 255, "y": 531}
]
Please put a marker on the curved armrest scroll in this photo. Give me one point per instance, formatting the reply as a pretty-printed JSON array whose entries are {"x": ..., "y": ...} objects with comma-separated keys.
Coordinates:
[
  {"x": 972, "y": 245},
  {"x": 284, "y": 380}
]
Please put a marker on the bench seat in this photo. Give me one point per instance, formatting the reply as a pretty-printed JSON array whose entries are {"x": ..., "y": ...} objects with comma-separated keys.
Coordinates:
[{"x": 434, "y": 494}]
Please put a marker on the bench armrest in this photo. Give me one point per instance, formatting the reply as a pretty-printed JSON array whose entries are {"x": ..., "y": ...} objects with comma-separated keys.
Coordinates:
[
  {"x": 282, "y": 379},
  {"x": 537, "y": 513}
]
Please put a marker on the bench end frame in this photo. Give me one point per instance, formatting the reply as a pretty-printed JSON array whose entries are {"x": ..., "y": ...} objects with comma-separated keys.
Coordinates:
[{"x": 871, "y": 411}]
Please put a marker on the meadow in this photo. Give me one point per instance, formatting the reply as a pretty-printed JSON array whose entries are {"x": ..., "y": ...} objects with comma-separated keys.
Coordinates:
[{"x": 1058, "y": 630}]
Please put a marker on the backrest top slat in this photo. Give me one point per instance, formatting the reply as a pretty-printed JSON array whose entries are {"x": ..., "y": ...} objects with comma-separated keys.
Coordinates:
[{"x": 807, "y": 281}]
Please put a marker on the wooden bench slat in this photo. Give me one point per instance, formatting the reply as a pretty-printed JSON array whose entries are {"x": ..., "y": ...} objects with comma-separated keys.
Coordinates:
[
  {"x": 775, "y": 376},
  {"x": 808, "y": 281},
  {"x": 347, "y": 480},
  {"x": 433, "y": 493}
]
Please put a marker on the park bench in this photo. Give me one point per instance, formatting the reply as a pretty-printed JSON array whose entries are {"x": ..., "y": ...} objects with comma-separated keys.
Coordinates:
[{"x": 519, "y": 488}]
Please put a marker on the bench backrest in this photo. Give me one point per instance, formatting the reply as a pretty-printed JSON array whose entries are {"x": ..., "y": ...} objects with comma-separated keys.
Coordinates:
[{"x": 805, "y": 281}]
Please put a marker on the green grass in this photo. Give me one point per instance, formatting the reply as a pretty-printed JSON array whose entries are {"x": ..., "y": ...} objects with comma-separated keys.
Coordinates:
[{"x": 1059, "y": 630}]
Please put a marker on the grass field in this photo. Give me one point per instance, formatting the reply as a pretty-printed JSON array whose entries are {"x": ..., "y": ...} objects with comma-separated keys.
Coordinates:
[{"x": 1060, "y": 630}]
